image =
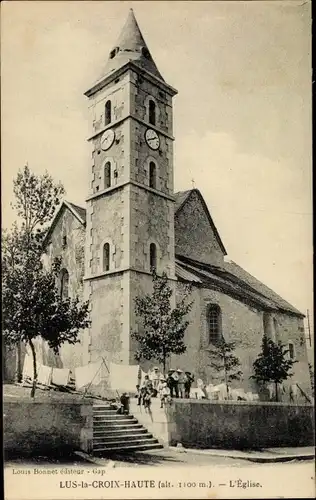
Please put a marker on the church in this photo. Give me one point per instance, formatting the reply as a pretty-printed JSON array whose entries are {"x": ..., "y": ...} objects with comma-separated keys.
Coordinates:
[{"x": 133, "y": 220}]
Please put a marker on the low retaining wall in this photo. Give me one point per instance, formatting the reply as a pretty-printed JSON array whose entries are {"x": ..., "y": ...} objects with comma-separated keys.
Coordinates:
[
  {"x": 242, "y": 425},
  {"x": 46, "y": 428}
]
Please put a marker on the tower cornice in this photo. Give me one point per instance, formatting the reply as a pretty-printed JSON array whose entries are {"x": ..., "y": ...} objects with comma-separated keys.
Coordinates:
[{"x": 130, "y": 65}]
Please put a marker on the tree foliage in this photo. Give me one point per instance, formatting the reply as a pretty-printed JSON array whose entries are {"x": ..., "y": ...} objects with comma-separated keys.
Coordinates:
[
  {"x": 164, "y": 327},
  {"x": 32, "y": 305},
  {"x": 272, "y": 364},
  {"x": 225, "y": 363}
]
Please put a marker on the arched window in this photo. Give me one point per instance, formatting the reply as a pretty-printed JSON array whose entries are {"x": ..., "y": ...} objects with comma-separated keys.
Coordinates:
[
  {"x": 291, "y": 351},
  {"x": 64, "y": 284},
  {"x": 107, "y": 175},
  {"x": 152, "y": 175},
  {"x": 106, "y": 257},
  {"x": 152, "y": 112},
  {"x": 108, "y": 113},
  {"x": 153, "y": 256},
  {"x": 214, "y": 323}
]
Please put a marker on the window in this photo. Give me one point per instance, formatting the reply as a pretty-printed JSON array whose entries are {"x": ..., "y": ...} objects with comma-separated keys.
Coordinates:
[
  {"x": 152, "y": 112},
  {"x": 153, "y": 256},
  {"x": 152, "y": 175},
  {"x": 291, "y": 351},
  {"x": 64, "y": 284},
  {"x": 108, "y": 113},
  {"x": 106, "y": 257},
  {"x": 214, "y": 323},
  {"x": 64, "y": 241},
  {"x": 107, "y": 175}
]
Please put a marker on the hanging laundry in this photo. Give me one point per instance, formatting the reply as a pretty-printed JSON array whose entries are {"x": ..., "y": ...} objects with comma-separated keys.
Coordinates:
[
  {"x": 88, "y": 374},
  {"x": 44, "y": 374},
  {"x": 123, "y": 377},
  {"x": 27, "y": 372},
  {"x": 60, "y": 376}
]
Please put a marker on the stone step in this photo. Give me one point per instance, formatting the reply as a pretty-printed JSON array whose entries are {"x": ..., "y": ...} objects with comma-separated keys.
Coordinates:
[
  {"x": 128, "y": 448},
  {"x": 126, "y": 437},
  {"x": 100, "y": 430},
  {"x": 110, "y": 416},
  {"x": 121, "y": 432},
  {"x": 110, "y": 423}
]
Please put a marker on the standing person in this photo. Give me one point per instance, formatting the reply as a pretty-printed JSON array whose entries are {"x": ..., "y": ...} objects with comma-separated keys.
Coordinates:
[
  {"x": 148, "y": 383},
  {"x": 187, "y": 384},
  {"x": 175, "y": 376},
  {"x": 138, "y": 395},
  {"x": 147, "y": 400},
  {"x": 170, "y": 382},
  {"x": 155, "y": 376},
  {"x": 181, "y": 382},
  {"x": 164, "y": 394}
]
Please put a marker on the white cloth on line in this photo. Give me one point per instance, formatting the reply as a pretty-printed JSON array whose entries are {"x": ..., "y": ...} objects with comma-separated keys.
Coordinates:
[
  {"x": 60, "y": 376},
  {"x": 123, "y": 377},
  {"x": 44, "y": 375},
  {"x": 27, "y": 367},
  {"x": 88, "y": 374},
  {"x": 142, "y": 377}
]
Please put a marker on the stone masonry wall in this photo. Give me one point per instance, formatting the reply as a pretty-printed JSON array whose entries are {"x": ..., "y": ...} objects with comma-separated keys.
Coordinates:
[
  {"x": 72, "y": 256},
  {"x": 243, "y": 325}
]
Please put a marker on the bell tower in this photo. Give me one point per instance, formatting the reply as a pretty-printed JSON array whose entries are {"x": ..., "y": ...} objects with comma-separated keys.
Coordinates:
[{"x": 130, "y": 204}]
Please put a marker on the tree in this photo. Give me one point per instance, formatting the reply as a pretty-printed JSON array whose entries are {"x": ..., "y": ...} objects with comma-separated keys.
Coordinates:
[
  {"x": 311, "y": 374},
  {"x": 225, "y": 363},
  {"x": 32, "y": 305},
  {"x": 272, "y": 364},
  {"x": 164, "y": 327}
]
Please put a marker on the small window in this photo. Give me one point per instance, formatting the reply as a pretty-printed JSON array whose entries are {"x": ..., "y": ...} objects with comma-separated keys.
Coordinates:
[
  {"x": 108, "y": 113},
  {"x": 153, "y": 256},
  {"x": 152, "y": 175},
  {"x": 291, "y": 351},
  {"x": 214, "y": 323},
  {"x": 107, "y": 175},
  {"x": 106, "y": 257},
  {"x": 152, "y": 112},
  {"x": 64, "y": 284},
  {"x": 64, "y": 241}
]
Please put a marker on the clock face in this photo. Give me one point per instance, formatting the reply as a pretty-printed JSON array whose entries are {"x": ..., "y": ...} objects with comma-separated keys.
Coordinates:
[
  {"x": 152, "y": 139},
  {"x": 107, "y": 139}
]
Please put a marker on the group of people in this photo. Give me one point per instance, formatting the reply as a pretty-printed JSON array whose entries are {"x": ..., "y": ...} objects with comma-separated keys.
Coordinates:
[{"x": 176, "y": 384}]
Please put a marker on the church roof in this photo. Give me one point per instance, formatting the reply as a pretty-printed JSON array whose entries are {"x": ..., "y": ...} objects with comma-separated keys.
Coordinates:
[
  {"x": 183, "y": 196},
  {"x": 130, "y": 46},
  {"x": 236, "y": 282}
]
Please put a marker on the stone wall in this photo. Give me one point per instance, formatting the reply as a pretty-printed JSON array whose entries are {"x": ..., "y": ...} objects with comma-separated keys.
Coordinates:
[
  {"x": 204, "y": 424},
  {"x": 37, "y": 428},
  {"x": 243, "y": 325},
  {"x": 197, "y": 239}
]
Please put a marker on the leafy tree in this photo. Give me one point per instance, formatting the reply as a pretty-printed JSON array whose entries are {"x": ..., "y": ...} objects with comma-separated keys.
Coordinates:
[
  {"x": 272, "y": 364},
  {"x": 311, "y": 374},
  {"x": 164, "y": 327},
  {"x": 225, "y": 363},
  {"x": 32, "y": 305}
]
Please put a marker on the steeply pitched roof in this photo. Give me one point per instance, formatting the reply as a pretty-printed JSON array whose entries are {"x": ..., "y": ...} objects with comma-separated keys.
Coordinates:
[
  {"x": 130, "y": 46},
  {"x": 235, "y": 281},
  {"x": 78, "y": 212},
  {"x": 182, "y": 197}
]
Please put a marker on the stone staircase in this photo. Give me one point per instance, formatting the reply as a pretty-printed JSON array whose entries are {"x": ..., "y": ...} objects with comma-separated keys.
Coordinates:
[{"x": 119, "y": 433}]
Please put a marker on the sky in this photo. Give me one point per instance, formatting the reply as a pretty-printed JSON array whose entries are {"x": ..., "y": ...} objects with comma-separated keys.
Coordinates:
[{"x": 242, "y": 117}]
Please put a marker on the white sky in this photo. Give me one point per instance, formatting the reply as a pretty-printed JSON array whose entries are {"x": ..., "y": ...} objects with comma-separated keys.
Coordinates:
[{"x": 242, "y": 118}]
